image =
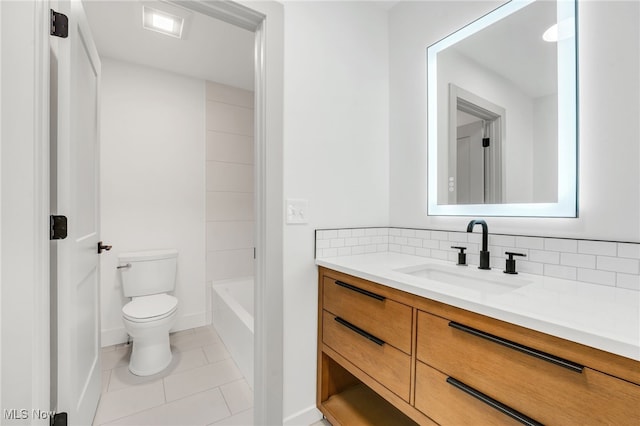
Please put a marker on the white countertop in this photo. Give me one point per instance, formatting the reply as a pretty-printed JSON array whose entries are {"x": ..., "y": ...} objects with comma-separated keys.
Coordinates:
[{"x": 602, "y": 317}]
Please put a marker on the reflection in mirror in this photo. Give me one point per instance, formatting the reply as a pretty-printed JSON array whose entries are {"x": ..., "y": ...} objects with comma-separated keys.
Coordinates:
[{"x": 503, "y": 101}]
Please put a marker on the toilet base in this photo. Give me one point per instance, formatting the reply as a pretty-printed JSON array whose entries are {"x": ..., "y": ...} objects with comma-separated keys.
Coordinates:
[{"x": 150, "y": 356}]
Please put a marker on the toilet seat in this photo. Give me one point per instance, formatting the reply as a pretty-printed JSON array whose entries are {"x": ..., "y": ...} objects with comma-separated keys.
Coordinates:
[{"x": 150, "y": 308}]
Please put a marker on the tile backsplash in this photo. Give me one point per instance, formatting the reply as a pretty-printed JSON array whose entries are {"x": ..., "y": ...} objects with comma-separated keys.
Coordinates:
[{"x": 608, "y": 263}]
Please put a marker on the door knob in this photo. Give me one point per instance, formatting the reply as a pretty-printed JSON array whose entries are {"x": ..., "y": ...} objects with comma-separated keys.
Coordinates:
[{"x": 103, "y": 247}]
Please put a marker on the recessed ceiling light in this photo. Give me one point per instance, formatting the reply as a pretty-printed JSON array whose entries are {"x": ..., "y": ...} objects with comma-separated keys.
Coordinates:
[{"x": 162, "y": 22}]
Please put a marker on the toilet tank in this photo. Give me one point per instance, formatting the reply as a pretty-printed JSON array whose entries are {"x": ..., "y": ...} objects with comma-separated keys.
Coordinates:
[{"x": 151, "y": 272}]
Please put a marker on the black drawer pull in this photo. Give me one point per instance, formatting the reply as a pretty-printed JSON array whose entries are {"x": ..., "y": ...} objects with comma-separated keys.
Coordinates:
[
  {"x": 525, "y": 420},
  {"x": 360, "y": 331},
  {"x": 361, "y": 291},
  {"x": 518, "y": 347}
]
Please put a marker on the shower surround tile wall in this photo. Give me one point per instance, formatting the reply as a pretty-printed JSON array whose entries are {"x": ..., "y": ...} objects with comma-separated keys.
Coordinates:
[
  {"x": 229, "y": 182},
  {"x": 608, "y": 263}
]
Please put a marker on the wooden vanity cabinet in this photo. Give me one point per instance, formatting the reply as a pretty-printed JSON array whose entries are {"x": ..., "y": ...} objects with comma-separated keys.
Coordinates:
[{"x": 404, "y": 359}]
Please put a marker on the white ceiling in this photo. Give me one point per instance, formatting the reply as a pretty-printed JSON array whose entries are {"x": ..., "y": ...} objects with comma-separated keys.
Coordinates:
[
  {"x": 210, "y": 49},
  {"x": 514, "y": 48}
]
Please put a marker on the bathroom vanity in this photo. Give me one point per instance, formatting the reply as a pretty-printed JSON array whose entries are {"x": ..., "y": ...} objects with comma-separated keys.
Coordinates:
[{"x": 404, "y": 340}]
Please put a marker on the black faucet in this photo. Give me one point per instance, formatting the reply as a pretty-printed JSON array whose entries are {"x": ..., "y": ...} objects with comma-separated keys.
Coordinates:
[{"x": 484, "y": 253}]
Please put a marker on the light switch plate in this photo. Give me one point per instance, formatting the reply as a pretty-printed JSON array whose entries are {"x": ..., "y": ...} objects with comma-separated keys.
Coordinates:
[{"x": 296, "y": 210}]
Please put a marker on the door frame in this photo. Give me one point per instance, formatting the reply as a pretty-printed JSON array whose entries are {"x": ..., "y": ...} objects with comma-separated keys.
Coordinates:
[
  {"x": 24, "y": 222},
  {"x": 30, "y": 364}
]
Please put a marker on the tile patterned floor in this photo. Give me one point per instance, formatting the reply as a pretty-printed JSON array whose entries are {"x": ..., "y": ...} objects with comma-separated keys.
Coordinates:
[{"x": 202, "y": 386}]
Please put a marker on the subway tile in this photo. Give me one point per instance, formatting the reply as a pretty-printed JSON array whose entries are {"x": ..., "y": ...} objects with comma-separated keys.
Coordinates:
[
  {"x": 408, "y": 250},
  {"x": 628, "y": 281},
  {"x": 382, "y": 247},
  {"x": 344, "y": 251},
  {"x": 424, "y": 234},
  {"x": 618, "y": 264},
  {"x": 530, "y": 267},
  {"x": 401, "y": 240},
  {"x": 409, "y": 233},
  {"x": 357, "y": 232},
  {"x": 629, "y": 250},
  {"x": 414, "y": 242},
  {"x": 396, "y": 232},
  {"x": 380, "y": 239},
  {"x": 439, "y": 254},
  {"x": 344, "y": 233},
  {"x": 458, "y": 237},
  {"x": 371, "y": 232},
  {"x": 395, "y": 248},
  {"x": 475, "y": 238},
  {"x": 578, "y": 260},
  {"x": 336, "y": 242},
  {"x": 530, "y": 242},
  {"x": 327, "y": 243},
  {"x": 597, "y": 277},
  {"x": 446, "y": 246},
  {"x": 502, "y": 240},
  {"x": 558, "y": 244},
  {"x": 558, "y": 271},
  {"x": 327, "y": 234},
  {"x": 330, "y": 252},
  {"x": 370, "y": 248},
  {"x": 439, "y": 235},
  {"x": 357, "y": 250},
  {"x": 423, "y": 252},
  {"x": 384, "y": 232},
  {"x": 351, "y": 241},
  {"x": 544, "y": 256},
  {"x": 364, "y": 241},
  {"x": 431, "y": 244},
  {"x": 604, "y": 248}
]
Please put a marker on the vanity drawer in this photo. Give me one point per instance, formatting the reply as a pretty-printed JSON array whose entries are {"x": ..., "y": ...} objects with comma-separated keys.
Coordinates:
[
  {"x": 449, "y": 405},
  {"x": 384, "y": 363},
  {"x": 530, "y": 382},
  {"x": 363, "y": 307}
]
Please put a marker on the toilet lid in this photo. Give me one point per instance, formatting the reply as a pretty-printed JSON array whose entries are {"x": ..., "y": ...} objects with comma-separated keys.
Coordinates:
[{"x": 147, "y": 307}]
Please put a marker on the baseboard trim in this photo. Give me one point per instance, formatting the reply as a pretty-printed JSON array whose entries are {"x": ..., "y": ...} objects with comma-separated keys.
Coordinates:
[
  {"x": 304, "y": 417},
  {"x": 115, "y": 336}
]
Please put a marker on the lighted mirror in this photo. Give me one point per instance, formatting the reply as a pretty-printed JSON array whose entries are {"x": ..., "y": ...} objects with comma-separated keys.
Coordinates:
[{"x": 502, "y": 114}]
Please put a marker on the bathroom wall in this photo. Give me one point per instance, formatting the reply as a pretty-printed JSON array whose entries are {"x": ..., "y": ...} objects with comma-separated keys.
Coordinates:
[
  {"x": 609, "y": 106},
  {"x": 335, "y": 155},
  {"x": 229, "y": 183},
  {"x": 152, "y": 182}
]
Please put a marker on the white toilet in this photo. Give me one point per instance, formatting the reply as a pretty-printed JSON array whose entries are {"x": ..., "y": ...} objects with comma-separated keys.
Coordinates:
[{"x": 147, "y": 276}]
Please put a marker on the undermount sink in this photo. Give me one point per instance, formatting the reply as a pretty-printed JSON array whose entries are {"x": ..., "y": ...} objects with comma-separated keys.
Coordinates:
[{"x": 467, "y": 277}]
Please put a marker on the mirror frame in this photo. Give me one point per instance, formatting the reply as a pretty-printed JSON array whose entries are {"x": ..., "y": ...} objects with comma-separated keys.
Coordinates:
[{"x": 567, "y": 204}]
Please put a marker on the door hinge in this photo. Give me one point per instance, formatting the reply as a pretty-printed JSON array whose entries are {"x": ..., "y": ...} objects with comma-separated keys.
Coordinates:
[
  {"x": 59, "y": 24},
  {"x": 486, "y": 142},
  {"x": 58, "y": 419},
  {"x": 57, "y": 227}
]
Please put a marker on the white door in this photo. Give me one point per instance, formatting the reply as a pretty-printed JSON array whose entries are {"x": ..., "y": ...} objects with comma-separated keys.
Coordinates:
[
  {"x": 470, "y": 164},
  {"x": 76, "y": 63}
]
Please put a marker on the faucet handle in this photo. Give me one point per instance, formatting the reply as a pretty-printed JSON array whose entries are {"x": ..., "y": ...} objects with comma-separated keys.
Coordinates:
[
  {"x": 462, "y": 256},
  {"x": 510, "y": 263}
]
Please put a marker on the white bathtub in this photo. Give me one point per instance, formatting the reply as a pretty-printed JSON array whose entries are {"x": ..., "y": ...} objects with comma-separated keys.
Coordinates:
[{"x": 232, "y": 308}]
